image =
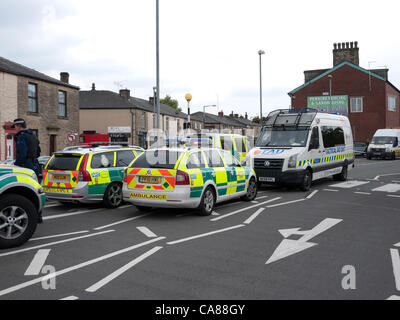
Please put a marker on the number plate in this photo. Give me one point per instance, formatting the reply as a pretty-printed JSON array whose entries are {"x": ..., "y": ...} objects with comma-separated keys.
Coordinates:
[
  {"x": 150, "y": 180},
  {"x": 60, "y": 177},
  {"x": 267, "y": 179}
]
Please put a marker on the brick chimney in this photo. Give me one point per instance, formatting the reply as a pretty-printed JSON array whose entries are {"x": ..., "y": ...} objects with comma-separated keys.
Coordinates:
[
  {"x": 246, "y": 116},
  {"x": 93, "y": 87},
  {"x": 64, "y": 77},
  {"x": 125, "y": 93},
  {"x": 220, "y": 114},
  {"x": 346, "y": 51},
  {"x": 231, "y": 115}
]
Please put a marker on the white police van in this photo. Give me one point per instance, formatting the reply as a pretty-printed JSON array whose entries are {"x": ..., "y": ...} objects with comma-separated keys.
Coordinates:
[
  {"x": 298, "y": 146},
  {"x": 384, "y": 144}
]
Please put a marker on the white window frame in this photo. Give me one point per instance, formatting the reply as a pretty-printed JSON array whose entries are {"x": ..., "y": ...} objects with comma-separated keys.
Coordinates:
[
  {"x": 357, "y": 108},
  {"x": 392, "y": 108}
]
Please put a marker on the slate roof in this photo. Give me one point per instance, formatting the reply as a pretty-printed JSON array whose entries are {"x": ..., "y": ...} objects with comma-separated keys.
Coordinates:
[
  {"x": 103, "y": 99},
  {"x": 17, "y": 69},
  {"x": 215, "y": 119}
]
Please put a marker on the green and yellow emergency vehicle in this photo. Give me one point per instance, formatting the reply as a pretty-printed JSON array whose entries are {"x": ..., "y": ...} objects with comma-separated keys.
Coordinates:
[
  {"x": 21, "y": 202},
  {"x": 88, "y": 175}
]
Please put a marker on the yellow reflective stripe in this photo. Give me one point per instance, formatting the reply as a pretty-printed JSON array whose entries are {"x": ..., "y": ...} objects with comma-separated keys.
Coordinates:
[{"x": 29, "y": 181}]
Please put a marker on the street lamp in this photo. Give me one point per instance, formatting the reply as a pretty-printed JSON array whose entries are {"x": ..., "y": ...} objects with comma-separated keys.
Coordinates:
[
  {"x": 330, "y": 91},
  {"x": 188, "y": 98},
  {"x": 158, "y": 63},
  {"x": 260, "y": 52},
  {"x": 204, "y": 114}
]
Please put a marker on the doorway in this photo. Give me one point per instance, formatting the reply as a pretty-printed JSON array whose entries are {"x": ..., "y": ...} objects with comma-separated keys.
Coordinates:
[{"x": 52, "y": 144}]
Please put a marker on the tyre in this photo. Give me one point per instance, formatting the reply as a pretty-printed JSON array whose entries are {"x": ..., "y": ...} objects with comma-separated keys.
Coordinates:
[
  {"x": 307, "y": 181},
  {"x": 251, "y": 191},
  {"x": 113, "y": 196},
  {"x": 207, "y": 202},
  {"x": 341, "y": 176},
  {"x": 18, "y": 220},
  {"x": 143, "y": 208}
]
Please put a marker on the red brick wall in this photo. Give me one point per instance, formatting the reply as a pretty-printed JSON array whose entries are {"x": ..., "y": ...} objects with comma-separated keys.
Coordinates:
[{"x": 355, "y": 83}]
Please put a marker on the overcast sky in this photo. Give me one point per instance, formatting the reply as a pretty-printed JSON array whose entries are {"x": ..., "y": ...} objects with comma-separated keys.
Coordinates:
[{"x": 207, "y": 48}]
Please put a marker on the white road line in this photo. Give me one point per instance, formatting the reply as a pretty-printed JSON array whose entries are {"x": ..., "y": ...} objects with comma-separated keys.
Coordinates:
[
  {"x": 37, "y": 263},
  {"x": 263, "y": 197},
  {"x": 366, "y": 193},
  {"x": 349, "y": 184},
  {"x": 285, "y": 203},
  {"x": 117, "y": 273},
  {"x": 215, "y": 213},
  {"x": 332, "y": 190},
  {"x": 396, "y": 266},
  {"x": 390, "y": 187},
  {"x": 254, "y": 201},
  {"x": 253, "y": 216},
  {"x": 244, "y": 209},
  {"x": 54, "y": 243},
  {"x": 70, "y": 214},
  {"x": 205, "y": 234},
  {"x": 53, "y": 205},
  {"x": 148, "y": 233},
  {"x": 76, "y": 267},
  {"x": 393, "y": 298},
  {"x": 59, "y": 235},
  {"x": 126, "y": 206},
  {"x": 70, "y": 298},
  {"x": 386, "y": 175},
  {"x": 311, "y": 194},
  {"x": 393, "y": 196},
  {"x": 121, "y": 221}
]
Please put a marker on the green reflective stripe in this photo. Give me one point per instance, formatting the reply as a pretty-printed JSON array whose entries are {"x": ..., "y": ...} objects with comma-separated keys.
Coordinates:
[
  {"x": 97, "y": 188},
  {"x": 222, "y": 192},
  {"x": 8, "y": 180},
  {"x": 241, "y": 188},
  {"x": 195, "y": 194}
]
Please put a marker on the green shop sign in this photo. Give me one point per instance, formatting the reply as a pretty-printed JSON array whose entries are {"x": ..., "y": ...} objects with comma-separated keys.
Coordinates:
[{"x": 333, "y": 104}]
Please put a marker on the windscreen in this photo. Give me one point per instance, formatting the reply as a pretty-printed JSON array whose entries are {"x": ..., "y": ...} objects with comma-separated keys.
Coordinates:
[
  {"x": 277, "y": 137},
  {"x": 157, "y": 159},
  {"x": 383, "y": 140},
  {"x": 67, "y": 162}
]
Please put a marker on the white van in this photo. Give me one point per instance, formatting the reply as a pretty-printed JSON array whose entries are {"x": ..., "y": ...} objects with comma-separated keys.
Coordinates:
[
  {"x": 384, "y": 144},
  {"x": 299, "y": 146}
]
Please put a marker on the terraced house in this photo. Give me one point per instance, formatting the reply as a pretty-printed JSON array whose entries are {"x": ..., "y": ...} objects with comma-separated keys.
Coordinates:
[{"x": 49, "y": 106}]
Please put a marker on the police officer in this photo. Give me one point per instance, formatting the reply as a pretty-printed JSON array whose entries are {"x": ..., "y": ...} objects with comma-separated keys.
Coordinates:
[{"x": 28, "y": 149}]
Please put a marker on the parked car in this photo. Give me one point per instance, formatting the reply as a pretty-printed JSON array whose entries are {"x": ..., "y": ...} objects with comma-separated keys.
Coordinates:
[
  {"x": 42, "y": 163},
  {"x": 187, "y": 178},
  {"x": 360, "y": 149},
  {"x": 21, "y": 201},
  {"x": 88, "y": 175}
]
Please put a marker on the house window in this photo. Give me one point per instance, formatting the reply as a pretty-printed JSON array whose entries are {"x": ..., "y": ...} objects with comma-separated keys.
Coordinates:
[
  {"x": 392, "y": 103},
  {"x": 356, "y": 105},
  {"x": 62, "y": 104},
  {"x": 143, "y": 119},
  {"x": 32, "y": 98}
]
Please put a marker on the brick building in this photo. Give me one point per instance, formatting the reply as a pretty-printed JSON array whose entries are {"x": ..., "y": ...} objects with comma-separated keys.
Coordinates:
[
  {"x": 49, "y": 106},
  {"x": 366, "y": 96}
]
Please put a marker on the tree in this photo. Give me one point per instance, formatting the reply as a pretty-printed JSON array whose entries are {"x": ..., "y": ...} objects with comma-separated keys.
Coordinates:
[
  {"x": 170, "y": 102},
  {"x": 257, "y": 119}
]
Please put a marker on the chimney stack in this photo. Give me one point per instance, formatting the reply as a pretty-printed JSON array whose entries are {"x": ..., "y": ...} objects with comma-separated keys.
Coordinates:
[
  {"x": 220, "y": 114},
  {"x": 125, "y": 93},
  {"x": 231, "y": 115},
  {"x": 93, "y": 87},
  {"x": 346, "y": 51},
  {"x": 245, "y": 116},
  {"x": 64, "y": 77}
]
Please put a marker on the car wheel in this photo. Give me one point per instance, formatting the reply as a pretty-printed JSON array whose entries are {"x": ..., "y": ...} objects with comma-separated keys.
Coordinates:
[
  {"x": 207, "y": 202},
  {"x": 341, "y": 176},
  {"x": 307, "y": 181},
  {"x": 113, "y": 196},
  {"x": 251, "y": 190},
  {"x": 18, "y": 220}
]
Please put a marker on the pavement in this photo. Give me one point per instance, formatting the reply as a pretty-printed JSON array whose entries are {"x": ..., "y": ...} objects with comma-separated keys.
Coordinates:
[{"x": 337, "y": 241}]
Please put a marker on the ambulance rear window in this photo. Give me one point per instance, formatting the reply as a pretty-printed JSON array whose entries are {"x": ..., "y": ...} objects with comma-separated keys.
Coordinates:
[
  {"x": 163, "y": 159},
  {"x": 67, "y": 162}
]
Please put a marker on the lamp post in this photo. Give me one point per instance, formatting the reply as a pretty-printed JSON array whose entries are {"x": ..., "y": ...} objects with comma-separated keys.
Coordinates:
[
  {"x": 154, "y": 106},
  {"x": 260, "y": 53},
  {"x": 188, "y": 98},
  {"x": 158, "y": 63},
  {"x": 330, "y": 91},
  {"x": 204, "y": 114}
]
